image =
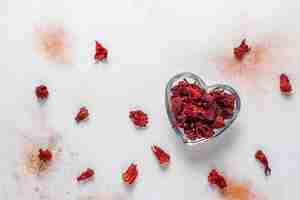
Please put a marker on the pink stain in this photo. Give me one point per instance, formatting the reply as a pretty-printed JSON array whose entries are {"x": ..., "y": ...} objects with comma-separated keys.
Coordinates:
[
  {"x": 260, "y": 64},
  {"x": 39, "y": 136},
  {"x": 240, "y": 191},
  {"x": 54, "y": 43}
]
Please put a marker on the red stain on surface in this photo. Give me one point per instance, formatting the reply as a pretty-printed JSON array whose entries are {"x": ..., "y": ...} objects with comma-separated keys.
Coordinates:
[
  {"x": 53, "y": 43},
  {"x": 236, "y": 190},
  {"x": 259, "y": 63},
  {"x": 33, "y": 164},
  {"x": 102, "y": 196},
  {"x": 239, "y": 191},
  {"x": 40, "y": 146}
]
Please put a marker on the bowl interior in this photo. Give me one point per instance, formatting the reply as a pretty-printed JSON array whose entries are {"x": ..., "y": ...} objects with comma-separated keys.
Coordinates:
[{"x": 192, "y": 78}]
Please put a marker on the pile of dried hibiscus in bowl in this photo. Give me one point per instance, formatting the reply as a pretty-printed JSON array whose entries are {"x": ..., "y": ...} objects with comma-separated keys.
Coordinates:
[{"x": 200, "y": 112}]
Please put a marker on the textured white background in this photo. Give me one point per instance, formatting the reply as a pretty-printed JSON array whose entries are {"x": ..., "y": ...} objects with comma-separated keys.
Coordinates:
[{"x": 149, "y": 42}]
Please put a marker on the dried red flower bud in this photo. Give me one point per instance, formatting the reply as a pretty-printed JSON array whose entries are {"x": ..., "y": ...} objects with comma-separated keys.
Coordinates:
[
  {"x": 139, "y": 118},
  {"x": 45, "y": 155},
  {"x": 41, "y": 92},
  {"x": 241, "y": 51},
  {"x": 215, "y": 178},
  {"x": 285, "y": 85},
  {"x": 101, "y": 52},
  {"x": 161, "y": 155},
  {"x": 83, "y": 114},
  {"x": 262, "y": 158},
  {"x": 130, "y": 175},
  {"x": 88, "y": 173}
]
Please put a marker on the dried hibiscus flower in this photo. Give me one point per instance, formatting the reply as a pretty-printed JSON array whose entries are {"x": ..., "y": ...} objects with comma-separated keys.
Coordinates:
[
  {"x": 161, "y": 155},
  {"x": 262, "y": 158},
  {"x": 139, "y": 118},
  {"x": 101, "y": 52},
  {"x": 45, "y": 155},
  {"x": 285, "y": 85},
  {"x": 130, "y": 175},
  {"x": 83, "y": 114},
  {"x": 41, "y": 92},
  {"x": 215, "y": 178},
  {"x": 240, "y": 51},
  {"x": 198, "y": 112},
  {"x": 87, "y": 174}
]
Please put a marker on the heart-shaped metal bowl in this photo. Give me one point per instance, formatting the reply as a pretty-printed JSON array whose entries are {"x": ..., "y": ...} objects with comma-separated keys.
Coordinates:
[{"x": 192, "y": 78}]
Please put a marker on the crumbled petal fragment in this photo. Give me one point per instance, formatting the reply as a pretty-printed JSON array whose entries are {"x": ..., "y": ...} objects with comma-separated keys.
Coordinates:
[
  {"x": 241, "y": 51},
  {"x": 130, "y": 175},
  {"x": 285, "y": 85},
  {"x": 161, "y": 155},
  {"x": 87, "y": 174},
  {"x": 215, "y": 178},
  {"x": 83, "y": 114},
  {"x": 41, "y": 92},
  {"x": 139, "y": 118},
  {"x": 219, "y": 122},
  {"x": 45, "y": 155},
  {"x": 262, "y": 158},
  {"x": 198, "y": 112},
  {"x": 101, "y": 52}
]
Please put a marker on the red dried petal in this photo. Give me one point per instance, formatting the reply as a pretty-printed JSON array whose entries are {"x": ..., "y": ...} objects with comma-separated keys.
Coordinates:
[
  {"x": 285, "y": 85},
  {"x": 191, "y": 134},
  {"x": 219, "y": 122},
  {"x": 101, "y": 52},
  {"x": 262, "y": 158},
  {"x": 82, "y": 114},
  {"x": 177, "y": 105},
  {"x": 88, "y": 173},
  {"x": 45, "y": 155},
  {"x": 41, "y": 92},
  {"x": 215, "y": 178},
  {"x": 241, "y": 51},
  {"x": 192, "y": 111},
  {"x": 203, "y": 131},
  {"x": 139, "y": 118},
  {"x": 161, "y": 155},
  {"x": 130, "y": 175}
]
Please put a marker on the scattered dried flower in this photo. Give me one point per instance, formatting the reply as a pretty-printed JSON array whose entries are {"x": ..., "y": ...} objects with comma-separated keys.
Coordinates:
[
  {"x": 130, "y": 175},
  {"x": 83, "y": 114},
  {"x": 45, "y": 155},
  {"x": 41, "y": 92},
  {"x": 215, "y": 178},
  {"x": 139, "y": 118},
  {"x": 161, "y": 155},
  {"x": 101, "y": 52},
  {"x": 262, "y": 158},
  {"x": 285, "y": 85},
  {"x": 240, "y": 51},
  {"x": 87, "y": 174}
]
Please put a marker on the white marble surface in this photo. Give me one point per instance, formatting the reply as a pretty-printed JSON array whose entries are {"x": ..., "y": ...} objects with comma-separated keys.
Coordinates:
[{"x": 149, "y": 42}]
